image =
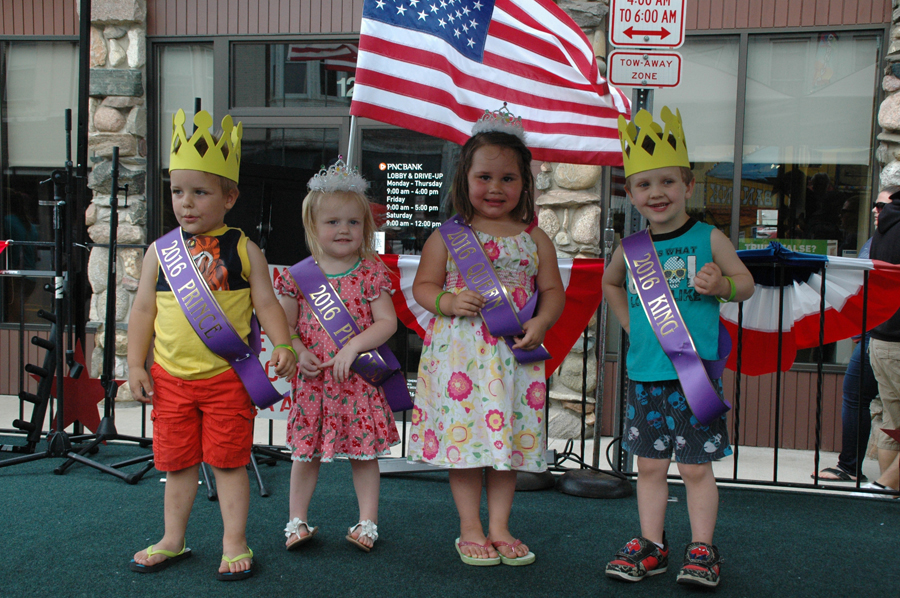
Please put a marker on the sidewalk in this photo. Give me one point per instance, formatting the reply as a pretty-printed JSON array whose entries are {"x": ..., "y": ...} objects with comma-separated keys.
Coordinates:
[{"x": 754, "y": 463}]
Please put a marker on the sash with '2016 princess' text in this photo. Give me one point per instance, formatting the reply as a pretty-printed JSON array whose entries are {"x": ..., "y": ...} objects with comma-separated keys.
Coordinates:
[
  {"x": 669, "y": 327},
  {"x": 206, "y": 317},
  {"x": 378, "y": 367},
  {"x": 499, "y": 312}
]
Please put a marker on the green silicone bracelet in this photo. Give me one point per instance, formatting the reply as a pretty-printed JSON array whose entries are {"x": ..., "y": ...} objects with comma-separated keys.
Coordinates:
[
  {"x": 290, "y": 348},
  {"x": 437, "y": 303},
  {"x": 733, "y": 291}
]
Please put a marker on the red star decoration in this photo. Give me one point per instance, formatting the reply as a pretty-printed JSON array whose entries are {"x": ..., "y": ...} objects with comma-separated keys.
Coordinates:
[{"x": 80, "y": 397}]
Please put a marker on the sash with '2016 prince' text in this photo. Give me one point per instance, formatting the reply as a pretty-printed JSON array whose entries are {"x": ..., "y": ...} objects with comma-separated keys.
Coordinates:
[
  {"x": 669, "y": 327},
  {"x": 209, "y": 321},
  {"x": 378, "y": 367},
  {"x": 499, "y": 313}
]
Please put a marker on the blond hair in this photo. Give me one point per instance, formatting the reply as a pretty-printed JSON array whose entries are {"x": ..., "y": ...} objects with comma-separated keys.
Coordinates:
[{"x": 311, "y": 204}]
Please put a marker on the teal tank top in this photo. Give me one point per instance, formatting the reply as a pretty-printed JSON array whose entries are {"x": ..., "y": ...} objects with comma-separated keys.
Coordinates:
[{"x": 681, "y": 253}]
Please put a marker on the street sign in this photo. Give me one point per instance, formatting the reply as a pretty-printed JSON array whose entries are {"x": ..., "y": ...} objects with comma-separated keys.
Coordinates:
[
  {"x": 644, "y": 69},
  {"x": 647, "y": 23}
]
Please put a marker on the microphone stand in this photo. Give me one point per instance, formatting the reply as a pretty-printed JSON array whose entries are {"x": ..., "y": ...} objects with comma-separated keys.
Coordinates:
[{"x": 107, "y": 430}]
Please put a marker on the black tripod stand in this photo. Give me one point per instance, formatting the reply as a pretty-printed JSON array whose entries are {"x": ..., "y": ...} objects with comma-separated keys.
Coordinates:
[
  {"x": 58, "y": 442},
  {"x": 107, "y": 429}
]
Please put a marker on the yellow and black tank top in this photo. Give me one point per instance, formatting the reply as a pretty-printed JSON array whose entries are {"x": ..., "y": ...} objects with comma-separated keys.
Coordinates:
[{"x": 221, "y": 257}]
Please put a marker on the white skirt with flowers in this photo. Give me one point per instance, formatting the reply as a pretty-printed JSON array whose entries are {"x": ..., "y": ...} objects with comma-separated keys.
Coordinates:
[{"x": 475, "y": 405}]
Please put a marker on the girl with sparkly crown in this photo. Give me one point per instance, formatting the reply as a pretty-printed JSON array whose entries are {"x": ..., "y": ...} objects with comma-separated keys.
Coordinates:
[
  {"x": 334, "y": 411},
  {"x": 479, "y": 403}
]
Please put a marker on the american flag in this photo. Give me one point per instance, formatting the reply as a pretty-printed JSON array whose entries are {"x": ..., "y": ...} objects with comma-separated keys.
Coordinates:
[
  {"x": 335, "y": 57},
  {"x": 435, "y": 66}
]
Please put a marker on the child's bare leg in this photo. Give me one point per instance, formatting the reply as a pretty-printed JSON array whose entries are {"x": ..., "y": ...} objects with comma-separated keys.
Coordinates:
[
  {"x": 501, "y": 488},
  {"x": 465, "y": 484},
  {"x": 652, "y": 496},
  {"x": 367, "y": 483},
  {"x": 233, "y": 487},
  {"x": 702, "y": 499},
  {"x": 304, "y": 476},
  {"x": 181, "y": 489}
]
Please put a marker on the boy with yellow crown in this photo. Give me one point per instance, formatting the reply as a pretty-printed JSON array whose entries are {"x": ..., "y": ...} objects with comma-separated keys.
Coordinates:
[
  {"x": 676, "y": 349},
  {"x": 199, "y": 286}
]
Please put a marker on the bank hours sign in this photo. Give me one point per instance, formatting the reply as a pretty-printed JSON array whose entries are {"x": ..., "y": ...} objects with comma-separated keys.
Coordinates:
[{"x": 647, "y": 23}]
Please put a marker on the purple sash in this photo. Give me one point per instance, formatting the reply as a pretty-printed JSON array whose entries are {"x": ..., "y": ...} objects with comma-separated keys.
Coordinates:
[
  {"x": 209, "y": 321},
  {"x": 666, "y": 321},
  {"x": 378, "y": 367},
  {"x": 499, "y": 313}
]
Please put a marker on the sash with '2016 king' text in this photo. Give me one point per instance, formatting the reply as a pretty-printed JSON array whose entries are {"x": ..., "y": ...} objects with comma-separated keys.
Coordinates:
[
  {"x": 206, "y": 317},
  {"x": 668, "y": 325},
  {"x": 499, "y": 312},
  {"x": 378, "y": 367}
]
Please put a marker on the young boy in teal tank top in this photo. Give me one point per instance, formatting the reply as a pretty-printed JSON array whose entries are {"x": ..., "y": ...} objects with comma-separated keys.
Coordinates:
[{"x": 701, "y": 268}]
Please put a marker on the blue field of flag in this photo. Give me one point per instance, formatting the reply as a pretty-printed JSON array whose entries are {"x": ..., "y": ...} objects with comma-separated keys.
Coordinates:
[{"x": 461, "y": 23}]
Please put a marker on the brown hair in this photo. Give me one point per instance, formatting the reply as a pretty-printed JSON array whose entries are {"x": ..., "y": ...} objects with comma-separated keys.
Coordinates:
[
  {"x": 314, "y": 200},
  {"x": 459, "y": 191}
]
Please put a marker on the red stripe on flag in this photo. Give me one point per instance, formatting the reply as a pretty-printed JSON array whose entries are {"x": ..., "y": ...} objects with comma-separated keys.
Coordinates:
[
  {"x": 386, "y": 115},
  {"x": 461, "y": 80},
  {"x": 588, "y": 68}
]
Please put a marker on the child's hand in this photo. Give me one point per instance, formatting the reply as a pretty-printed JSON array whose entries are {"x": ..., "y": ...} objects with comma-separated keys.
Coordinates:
[
  {"x": 535, "y": 330},
  {"x": 467, "y": 303},
  {"x": 341, "y": 363},
  {"x": 310, "y": 365},
  {"x": 140, "y": 384},
  {"x": 285, "y": 362},
  {"x": 709, "y": 281}
]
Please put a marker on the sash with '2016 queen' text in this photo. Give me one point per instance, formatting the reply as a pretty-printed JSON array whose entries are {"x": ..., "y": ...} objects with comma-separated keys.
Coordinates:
[{"x": 499, "y": 313}]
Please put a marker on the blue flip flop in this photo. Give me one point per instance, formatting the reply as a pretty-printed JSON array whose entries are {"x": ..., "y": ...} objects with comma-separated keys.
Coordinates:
[{"x": 172, "y": 558}]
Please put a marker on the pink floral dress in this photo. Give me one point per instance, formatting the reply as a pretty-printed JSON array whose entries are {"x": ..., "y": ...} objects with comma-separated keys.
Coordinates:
[
  {"x": 476, "y": 406},
  {"x": 328, "y": 419}
]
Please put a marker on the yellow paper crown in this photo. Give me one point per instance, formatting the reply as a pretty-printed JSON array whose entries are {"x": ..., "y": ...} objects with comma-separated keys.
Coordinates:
[
  {"x": 646, "y": 145},
  {"x": 202, "y": 152}
]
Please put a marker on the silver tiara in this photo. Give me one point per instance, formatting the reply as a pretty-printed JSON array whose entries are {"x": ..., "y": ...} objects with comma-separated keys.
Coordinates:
[
  {"x": 338, "y": 177},
  {"x": 500, "y": 121}
]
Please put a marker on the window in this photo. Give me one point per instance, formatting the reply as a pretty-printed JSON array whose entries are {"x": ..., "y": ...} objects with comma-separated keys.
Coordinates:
[
  {"x": 290, "y": 75},
  {"x": 40, "y": 81},
  {"x": 806, "y": 160},
  {"x": 185, "y": 75}
]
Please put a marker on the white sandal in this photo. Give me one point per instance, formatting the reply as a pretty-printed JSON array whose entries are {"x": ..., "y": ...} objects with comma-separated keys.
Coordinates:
[
  {"x": 369, "y": 529},
  {"x": 293, "y": 529}
]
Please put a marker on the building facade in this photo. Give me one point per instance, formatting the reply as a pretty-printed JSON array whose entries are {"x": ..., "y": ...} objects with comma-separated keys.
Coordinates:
[{"x": 789, "y": 111}]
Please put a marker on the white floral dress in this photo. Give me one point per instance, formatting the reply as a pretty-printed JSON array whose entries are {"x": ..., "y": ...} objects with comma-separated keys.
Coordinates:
[{"x": 475, "y": 405}]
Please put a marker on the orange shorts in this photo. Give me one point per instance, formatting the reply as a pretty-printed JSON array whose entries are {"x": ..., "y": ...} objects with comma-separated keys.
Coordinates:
[{"x": 197, "y": 421}]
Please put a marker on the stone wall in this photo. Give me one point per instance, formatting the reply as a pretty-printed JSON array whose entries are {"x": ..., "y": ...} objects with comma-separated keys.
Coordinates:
[
  {"x": 569, "y": 211},
  {"x": 888, "y": 151},
  {"x": 118, "y": 118}
]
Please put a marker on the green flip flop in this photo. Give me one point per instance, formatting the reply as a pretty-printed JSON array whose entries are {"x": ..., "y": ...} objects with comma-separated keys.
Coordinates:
[
  {"x": 239, "y": 575},
  {"x": 171, "y": 559},
  {"x": 474, "y": 561},
  {"x": 517, "y": 561}
]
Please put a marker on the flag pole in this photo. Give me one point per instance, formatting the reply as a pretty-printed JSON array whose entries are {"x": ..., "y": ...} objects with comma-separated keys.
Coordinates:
[{"x": 350, "y": 146}]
